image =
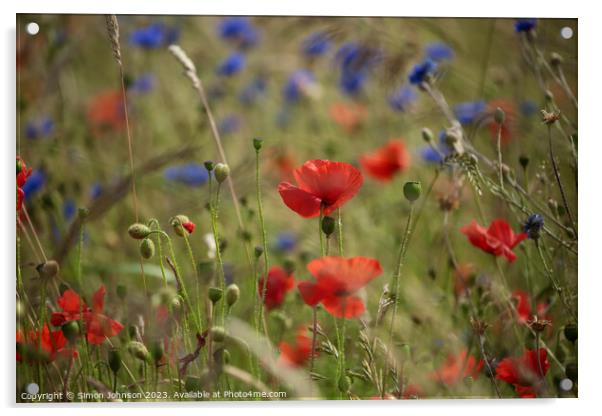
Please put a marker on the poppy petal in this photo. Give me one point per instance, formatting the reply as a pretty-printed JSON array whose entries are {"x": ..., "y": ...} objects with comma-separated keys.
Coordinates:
[
  {"x": 300, "y": 201},
  {"x": 344, "y": 306}
]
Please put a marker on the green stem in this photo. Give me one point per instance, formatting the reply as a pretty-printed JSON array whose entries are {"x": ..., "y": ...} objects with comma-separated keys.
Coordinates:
[
  {"x": 264, "y": 237},
  {"x": 218, "y": 251}
]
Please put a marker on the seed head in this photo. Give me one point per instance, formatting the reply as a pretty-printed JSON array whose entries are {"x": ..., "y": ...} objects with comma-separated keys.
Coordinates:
[
  {"x": 48, "y": 270},
  {"x": 328, "y": 225},
  {"x": 412, "y": 191},
  {"x": 215, "y": 294},
  {"x": 499, "y": 116},
  {"x": 114, "y": 360},
  {"x": 257, "y": 143}
]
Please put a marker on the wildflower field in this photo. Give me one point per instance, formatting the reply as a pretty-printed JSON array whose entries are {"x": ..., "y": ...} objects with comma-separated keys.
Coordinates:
[{"x": 295, "y": 208}]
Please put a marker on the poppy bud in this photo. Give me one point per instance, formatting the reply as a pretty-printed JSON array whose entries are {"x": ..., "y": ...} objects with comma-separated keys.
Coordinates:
[
  {"x": 427, "y": 135},
  {"x": 83, "y": 213},
  {"x": 147, "y": 248},
  {"x": 139, "y": 231},
  {"x": 157, "y": 351},
  {"x": 114, "y": 360},
  {"x": 257, "y": 143},
  {"x": 218, "y": 333},
  {"x": 258, "y": 251},
  {"x": 222, "y": 171},
  {"x": 121, "y": 291},
  {"x": 412, "y": 190},
  {"x": 571, "y": 371},
  {"x": 499, "y": 116},
  {"x": 139, "y": 350},
  {"x": 215, "y": 294},
  {"x": 209, "y": 165},
  {"x": 178, "y": 222},
  {"x": 524, "y": 161},
  {"x": 570, "y": 332},
  {"x": 344, "y": 383},
  {"x": 328, "y": 225},
  {"x": 71, "y": 330},
  {"x": 48, "y": 269},
  {"x": 556, "y": 59},
  {"x": 232, "y": 294}
]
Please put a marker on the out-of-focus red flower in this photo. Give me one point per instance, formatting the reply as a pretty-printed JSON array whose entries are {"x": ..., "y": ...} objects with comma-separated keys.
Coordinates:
[
  {"x": 189, "y": 226},
  {"x": 98, "y": 326},
  {"x": 386, "y": 161},
  {"x": 337, "y": 279},
  {"x": 412, "y": 391},
  {"x": 388, "y": 396},
  {"x": 349, "y": 116},
  {"x": 523, "y": 307},
  {"x": 46, "y": 347},
  {"x": 498, "y": 239},
  {"x": 509, "y": 125},
  {"x": 321, "y": 183},
  {"x": 282, "y": 163},
  {"x": 106, "y": 113},
  {"x": 278, "y": 284},
  {"x": 296, "y": 355},
  {"x": 22, "y": 174},
  {"x": 458, "y": 367},
  {"x": 525, "y": 373}
]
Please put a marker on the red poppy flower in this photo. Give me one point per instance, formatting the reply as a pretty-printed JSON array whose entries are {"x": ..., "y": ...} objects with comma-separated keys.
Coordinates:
[
  {"x": 337, "y": 281},
  {"x": 189, "y": 226},
  {"x": 349, "y": 116},
  {"x": 388, "y": 160},
  {"x": 46, "y": 347},
  {"x": 412, "y": 391},
  {"x": 321, "y": 183},
  {"x": 509, "y": 125},
  {"x": 296, "y": 355},
  {"x": 524, "y": 372},
  {"x": 105, "y": 112},
  {"x": 98, "y": 326},
  {"x": 22, "y": 174},
  {"x": 498, "y": 239},
  {"x": 278, "y": 284},
  {"x": 523, "y": 307},
  {"x": 458, "y": 367}
]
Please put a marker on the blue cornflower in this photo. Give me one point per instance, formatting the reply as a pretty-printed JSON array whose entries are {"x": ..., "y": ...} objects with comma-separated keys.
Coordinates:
[
  {"x": 533, "y": 226},
  {"x": 420, "y": 71},
  {"x": 239, "y": 30},
  {"x": 38, "y": 129},
  {"x": 525, "y": 25},
  {"x": 229, "y": 124},
  {"x": 351, "y": 82},
  {"x": 253, "y": 91},
  {"x": 34, "y": 183},
  {"x": 528, "y": 108},
  {"x": 234, "y": 63},
  {"x": 428, "y": 154},
  {"x": 192, "y": 174},
  {"x": 316, "y": 44},
  {"x": 154, "y": 35},
  {"x": 402, "y": 98},
  {"x": 69, "y": 209},
  {"x": 438, "y": 51},
  {"x": 469, "y": 111},
  {"x": 355, "y": 62},
  {"x": 143, "y": 84},
  {"x": 285, "y": 241},
  {"x": 95, "y": 191},
  {"x": 298, "y": 85}
]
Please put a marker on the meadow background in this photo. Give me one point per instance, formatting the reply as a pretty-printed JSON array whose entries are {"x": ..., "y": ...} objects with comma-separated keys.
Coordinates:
[{"x": 71, "y": 132}]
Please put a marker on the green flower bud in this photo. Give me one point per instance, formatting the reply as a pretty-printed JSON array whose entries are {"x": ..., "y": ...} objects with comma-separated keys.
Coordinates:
[
  {"x": 258, "y": 251},
  {"x": 328, "y": 225},
  {"x": 139, "y": 231},
  {"x": 412, "y": 190},
  {"x": 209, "y": 165},
  {"x": 427, "y": 135},
  {"x": 147, "y": 248},
  {"x": 122, "y": 291},
  {"x": 48, "y": 270},
  {"x": 257, "y": 143},
  {"x": 218, "y": 333},
  {"x": 139, "y": 350},
  {"x": 114, "y": 360},
  {"x": 157, "y": 351},
  {"x": 232, "y": 294},
  {"x": 499, "y": 116},
  {"x": 344, "y": 383},
  {"x": 71, "y": 330},
  {"x": 178, "y": 222},
  {"x": 570, "y": 332},
  {"x": 215, "y": 294},
  {"x": 222, "y": 171}
]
